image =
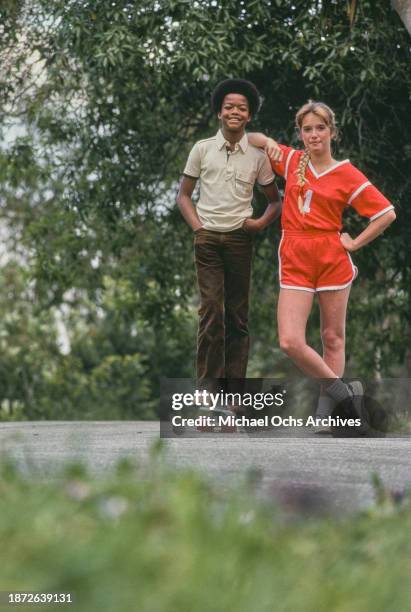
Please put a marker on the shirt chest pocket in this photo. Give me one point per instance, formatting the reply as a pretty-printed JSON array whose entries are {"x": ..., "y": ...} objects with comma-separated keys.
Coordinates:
[{"x": 244, "y": 182}]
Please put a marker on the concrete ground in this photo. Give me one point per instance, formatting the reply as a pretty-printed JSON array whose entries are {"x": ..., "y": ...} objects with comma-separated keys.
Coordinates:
[{"x": 304, "y": 473}]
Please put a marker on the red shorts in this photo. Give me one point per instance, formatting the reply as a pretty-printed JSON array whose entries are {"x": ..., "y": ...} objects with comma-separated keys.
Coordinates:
[{"x": 314, "y": 260}]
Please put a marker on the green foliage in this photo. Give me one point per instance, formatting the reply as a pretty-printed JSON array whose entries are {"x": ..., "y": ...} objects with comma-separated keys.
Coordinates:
[
  {"x": 171, "y": 541},
  {"x": 100, "y": 104},
  {"x": 27, "y": 343}
]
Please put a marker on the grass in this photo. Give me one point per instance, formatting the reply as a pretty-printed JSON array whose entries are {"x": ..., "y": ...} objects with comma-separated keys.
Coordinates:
[{"x": 148, "y": 539}]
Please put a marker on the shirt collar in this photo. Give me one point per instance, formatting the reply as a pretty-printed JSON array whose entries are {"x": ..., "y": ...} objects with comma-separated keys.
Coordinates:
[{"x": 221, "y": 141}]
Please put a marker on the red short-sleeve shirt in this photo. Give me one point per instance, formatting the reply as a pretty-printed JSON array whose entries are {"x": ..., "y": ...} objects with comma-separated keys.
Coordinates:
[{"x": 326, "y": 194}]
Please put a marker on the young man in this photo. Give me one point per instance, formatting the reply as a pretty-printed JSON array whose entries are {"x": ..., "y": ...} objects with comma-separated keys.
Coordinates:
[{"x": 227, "y": 166}]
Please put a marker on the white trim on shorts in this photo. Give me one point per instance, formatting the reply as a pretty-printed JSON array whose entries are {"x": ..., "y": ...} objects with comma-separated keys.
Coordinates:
[
  {"x": 282, "y": 286},
  {"x": 279, "y": 258},
  {"x": 297, "y": 288},
  {"x": 310, "y": 289},
  {"x": 337, "y": 287}
]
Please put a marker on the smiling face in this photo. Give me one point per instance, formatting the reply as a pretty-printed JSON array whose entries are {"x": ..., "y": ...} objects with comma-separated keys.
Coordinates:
[
  {"x": 316, "y": 133},
  {"x": 235, "y": 113}
]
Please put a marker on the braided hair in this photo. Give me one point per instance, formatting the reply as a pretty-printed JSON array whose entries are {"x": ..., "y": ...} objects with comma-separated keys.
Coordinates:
[
  {"x": 327, "y": 114},
  {"x": 302, "y": 165}
]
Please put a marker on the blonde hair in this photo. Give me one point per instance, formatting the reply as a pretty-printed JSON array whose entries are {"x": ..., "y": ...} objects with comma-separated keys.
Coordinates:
[{"x": 327, "y": 114}]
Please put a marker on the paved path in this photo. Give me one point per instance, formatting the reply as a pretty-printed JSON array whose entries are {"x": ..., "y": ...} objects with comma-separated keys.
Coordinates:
[{"x": 309, "y": 472}]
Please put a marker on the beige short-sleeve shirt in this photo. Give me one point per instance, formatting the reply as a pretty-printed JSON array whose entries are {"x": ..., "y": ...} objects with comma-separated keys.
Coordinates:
[{"x": 226, "y": 180}]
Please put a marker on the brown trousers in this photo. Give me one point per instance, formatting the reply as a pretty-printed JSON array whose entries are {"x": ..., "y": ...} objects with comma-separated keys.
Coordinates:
[{"x": 223, "y": 265}]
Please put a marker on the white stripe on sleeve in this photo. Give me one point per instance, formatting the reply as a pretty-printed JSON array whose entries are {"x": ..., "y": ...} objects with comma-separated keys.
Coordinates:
[
  {"x": 382, "y": 212},
  {"x": 291, "y": 153},
  {"x": 358, "y": 191}
]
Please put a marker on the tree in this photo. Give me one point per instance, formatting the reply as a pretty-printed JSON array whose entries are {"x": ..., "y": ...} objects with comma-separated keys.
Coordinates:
[{"x": 110, "y": 97}]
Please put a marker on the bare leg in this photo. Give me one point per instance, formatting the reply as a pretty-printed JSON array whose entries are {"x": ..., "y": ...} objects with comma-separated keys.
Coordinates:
[
  {"x": 333, "y": 309},
  {"x": 293, "y": 310}
]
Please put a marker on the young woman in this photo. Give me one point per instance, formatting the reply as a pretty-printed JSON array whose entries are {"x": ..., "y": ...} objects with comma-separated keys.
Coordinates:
[{"x": 314, "y": 257}]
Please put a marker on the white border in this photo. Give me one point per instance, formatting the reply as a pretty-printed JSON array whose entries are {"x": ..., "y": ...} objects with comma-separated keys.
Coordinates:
[
  {"x": 382, "y": 212},
  {"x": 279, "y": 257},
  {"x": 297, "y": 288},
  {"x": 337, "y": 287},
  {"x": 313, "y": 170},
  {"x": 291, "y": 153},
  {"x": 358, "y": 191}
]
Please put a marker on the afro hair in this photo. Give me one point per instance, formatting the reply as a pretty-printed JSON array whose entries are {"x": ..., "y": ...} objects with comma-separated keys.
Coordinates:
[{"x": 237, "y": 86}]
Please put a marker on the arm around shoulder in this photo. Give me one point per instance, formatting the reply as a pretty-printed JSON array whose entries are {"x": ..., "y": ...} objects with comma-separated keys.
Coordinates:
[{"x": 270, "y": 146}]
